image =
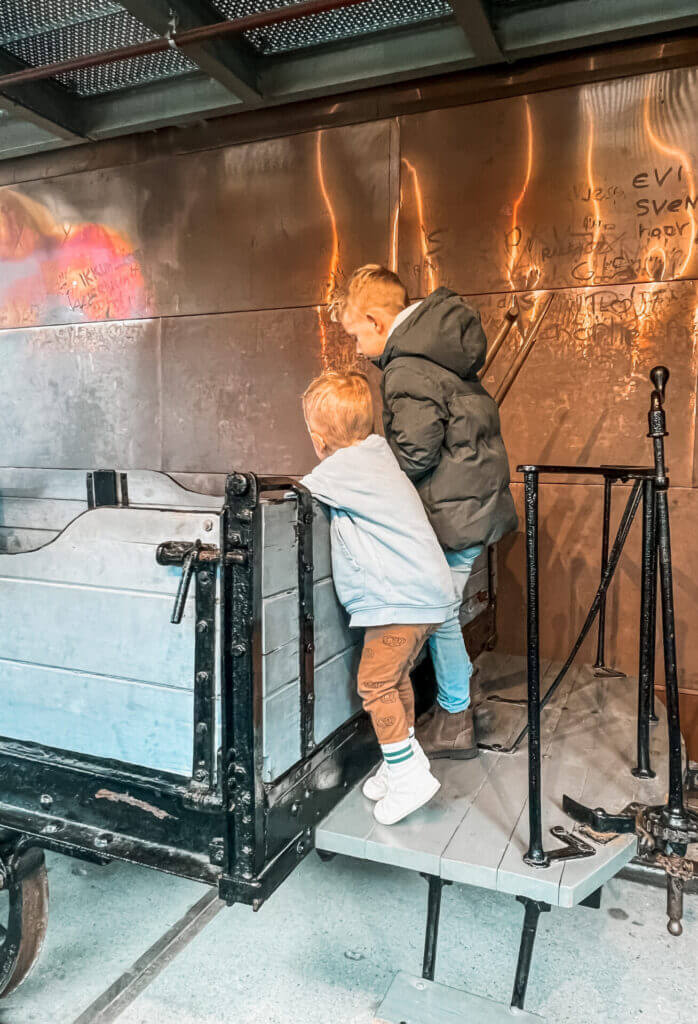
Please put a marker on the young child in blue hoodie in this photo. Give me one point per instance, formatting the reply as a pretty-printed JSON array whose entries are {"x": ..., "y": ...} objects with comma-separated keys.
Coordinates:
[{"x": 389, "y": 573}]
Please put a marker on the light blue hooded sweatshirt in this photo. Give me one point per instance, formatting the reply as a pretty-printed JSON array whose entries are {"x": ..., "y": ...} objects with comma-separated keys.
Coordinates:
[{"x": 387, "y": 564}]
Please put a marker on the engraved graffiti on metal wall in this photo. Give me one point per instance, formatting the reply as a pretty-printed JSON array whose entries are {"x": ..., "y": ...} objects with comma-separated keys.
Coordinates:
[
  {"x": 63, "y": 270},
  {"x": 591, "y": 185}
]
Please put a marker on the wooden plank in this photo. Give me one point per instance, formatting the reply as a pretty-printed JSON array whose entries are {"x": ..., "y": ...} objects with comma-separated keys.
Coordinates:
[
  {"x": 336, "y": 698},
  {"x": 346, "y": 828},
  {"x": 112, "y": 547},
  {"x": 420, "y": 840},
  {"x": 474, "y": 854},
  {"x": 97, "y": 715},
  {"x": 281, "y": 731},
  {"x": 39, "y": 513},
  {"x": 280, "y": 559},
  {"x": 104, "y": 632},
  {"x": 14, "y": 540},
  {"x": 513, "y": 875},
  {"x": 332, "y": 633},
  {"x": 69, "y": 484}
]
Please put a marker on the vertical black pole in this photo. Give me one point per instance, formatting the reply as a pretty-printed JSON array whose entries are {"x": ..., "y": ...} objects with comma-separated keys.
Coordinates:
[
  {"x": 653, "y": 612},
  {"x": 673, "y": 813},
  {"x": 601, "y": 645},
  {"x": 642, "y": 769},
  {"x": 532, "y": 911},
  {"x": 535, "y": 854},
  {"x": 432, "y": 933}
]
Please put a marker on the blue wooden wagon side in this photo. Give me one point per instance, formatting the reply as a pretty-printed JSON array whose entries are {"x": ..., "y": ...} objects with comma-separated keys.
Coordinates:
[{"x": 209, "y": 747}]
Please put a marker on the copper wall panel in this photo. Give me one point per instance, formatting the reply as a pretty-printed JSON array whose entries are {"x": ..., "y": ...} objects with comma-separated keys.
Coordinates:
[
  {"x": 582, "y": 396},
  {"x": 570, "y": 541},
  {"x": 82, "y": 396},
  {"x": 591, "y": 185},
  {"x": 260, "y": 226},
  {"x": 231, "y": 391}
]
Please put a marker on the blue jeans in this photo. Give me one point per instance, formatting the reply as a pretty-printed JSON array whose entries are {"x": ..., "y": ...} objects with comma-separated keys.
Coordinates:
[{"x": 452, "y": 665}]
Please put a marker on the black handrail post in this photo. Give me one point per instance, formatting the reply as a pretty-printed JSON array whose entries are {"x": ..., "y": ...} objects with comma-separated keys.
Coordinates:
[
  {"x": 601, "y": 644},
  {"x": 535, "y": 854},
  {"x": 673, "y": 812},
  {"x": 654, "y": 718},
  {"x": 642, "y": 769}
]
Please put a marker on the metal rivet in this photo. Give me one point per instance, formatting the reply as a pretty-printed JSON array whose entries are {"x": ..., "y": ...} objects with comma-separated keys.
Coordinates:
[
  {"x": 295, "y": 808},
  {"x": 46, "y": 800},
  {"x": 201, "y": 626},
  {"x": 201, "y": 677},
  {"x": 235, "y": 539},
  {"x": 51, "y": 829},
  {"x": 104, "y": 840},
  {"x": 239, "y": 650},
  {"x": 208, "y": 525},
  {"x": 200, "y": 775},
  {"x": 205, "y": 579},
  {"x": 248, "y": 851},
  {"x": 238, "y": 483}
]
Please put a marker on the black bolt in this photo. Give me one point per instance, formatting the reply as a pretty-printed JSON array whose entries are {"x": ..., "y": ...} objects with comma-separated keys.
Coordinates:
[
  {"x": 201, "y": 626},
  {"x": 238, "y": 483},
  {"x": 239, "y": 650},
  {"x": 201, "y": 677}
]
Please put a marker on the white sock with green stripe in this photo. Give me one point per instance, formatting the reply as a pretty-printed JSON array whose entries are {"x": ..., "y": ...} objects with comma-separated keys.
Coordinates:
[{"x": 398, "y": 755}]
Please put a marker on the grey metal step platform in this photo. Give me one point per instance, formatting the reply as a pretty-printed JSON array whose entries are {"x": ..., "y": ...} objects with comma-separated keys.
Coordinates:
[{"x": 475, "y": 831}]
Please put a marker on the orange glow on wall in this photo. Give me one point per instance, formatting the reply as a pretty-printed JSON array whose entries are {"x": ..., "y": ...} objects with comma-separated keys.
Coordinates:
[
  {"x": 431, "y": 280},
  {"x": 679, "y": 154},
  {"x": 333, "y": 267},
  {"x": 63, "y": 273},
  {"x": 516, "y": 232}
]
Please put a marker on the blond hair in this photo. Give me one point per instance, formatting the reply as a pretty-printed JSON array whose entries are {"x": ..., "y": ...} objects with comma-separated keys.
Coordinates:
[
  {"x": 369, "y": 287},
  {"x": 341, "y": 407}
]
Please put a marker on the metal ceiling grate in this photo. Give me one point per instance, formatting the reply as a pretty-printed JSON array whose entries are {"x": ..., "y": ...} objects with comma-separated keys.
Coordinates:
[
  {"x": 332, "y": 26},
  {"x": 32, "y": 17},
  {"x": 100, "y": 33}
]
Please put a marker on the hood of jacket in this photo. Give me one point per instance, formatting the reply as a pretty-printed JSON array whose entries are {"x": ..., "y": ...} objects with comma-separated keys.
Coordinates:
[{"x": 444, "y": 330}]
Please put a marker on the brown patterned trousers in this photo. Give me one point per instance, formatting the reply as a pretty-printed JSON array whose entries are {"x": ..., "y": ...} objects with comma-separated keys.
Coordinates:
[{"x": 384, "y": 683}]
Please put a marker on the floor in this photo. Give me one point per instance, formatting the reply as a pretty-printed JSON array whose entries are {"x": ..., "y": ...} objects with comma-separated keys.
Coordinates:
[
  {"x": 124, "y": 945},
  {"x": 326, "y": 946}
]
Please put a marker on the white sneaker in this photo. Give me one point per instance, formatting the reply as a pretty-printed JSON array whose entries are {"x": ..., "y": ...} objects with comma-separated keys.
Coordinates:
[
  {"x": 376, "y": 787},
  {"x": 407, "y": 791}
]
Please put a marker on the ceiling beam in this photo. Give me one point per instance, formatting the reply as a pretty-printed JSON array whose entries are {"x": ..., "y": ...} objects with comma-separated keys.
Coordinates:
[
  {"x": 378, "y": 60},
  {"x": 173, "y": 101},
  {"x": 231, "y": 62},
  {"x": 22, "y": 138},
  {"x": 472, "y": 18},
  {"x": 44, "y": 104},
  {"x": 570, "y": 24}
]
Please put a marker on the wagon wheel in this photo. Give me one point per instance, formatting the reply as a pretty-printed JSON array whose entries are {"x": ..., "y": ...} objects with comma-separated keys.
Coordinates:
[{"x": 23, "y": 920}]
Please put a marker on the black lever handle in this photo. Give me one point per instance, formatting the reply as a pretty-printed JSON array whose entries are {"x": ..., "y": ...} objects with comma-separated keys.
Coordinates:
[
  {"x": 659, "y": 376},
  {"x": 185, "y": 579}
]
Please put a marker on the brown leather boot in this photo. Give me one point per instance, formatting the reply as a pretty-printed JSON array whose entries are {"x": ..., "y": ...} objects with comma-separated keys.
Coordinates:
[{"x": 442, "y": 734}]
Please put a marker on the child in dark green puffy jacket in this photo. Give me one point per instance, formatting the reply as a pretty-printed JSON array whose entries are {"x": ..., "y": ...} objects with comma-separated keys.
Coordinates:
[{"x": 444, "y": 429}]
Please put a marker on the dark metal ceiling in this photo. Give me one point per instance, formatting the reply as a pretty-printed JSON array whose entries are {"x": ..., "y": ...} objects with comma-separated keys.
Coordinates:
[{"x": 334, "y": 51}]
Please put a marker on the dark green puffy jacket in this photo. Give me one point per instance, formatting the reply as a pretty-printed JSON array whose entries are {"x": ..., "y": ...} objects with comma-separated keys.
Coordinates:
[{"x": 443, "y": 425}]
